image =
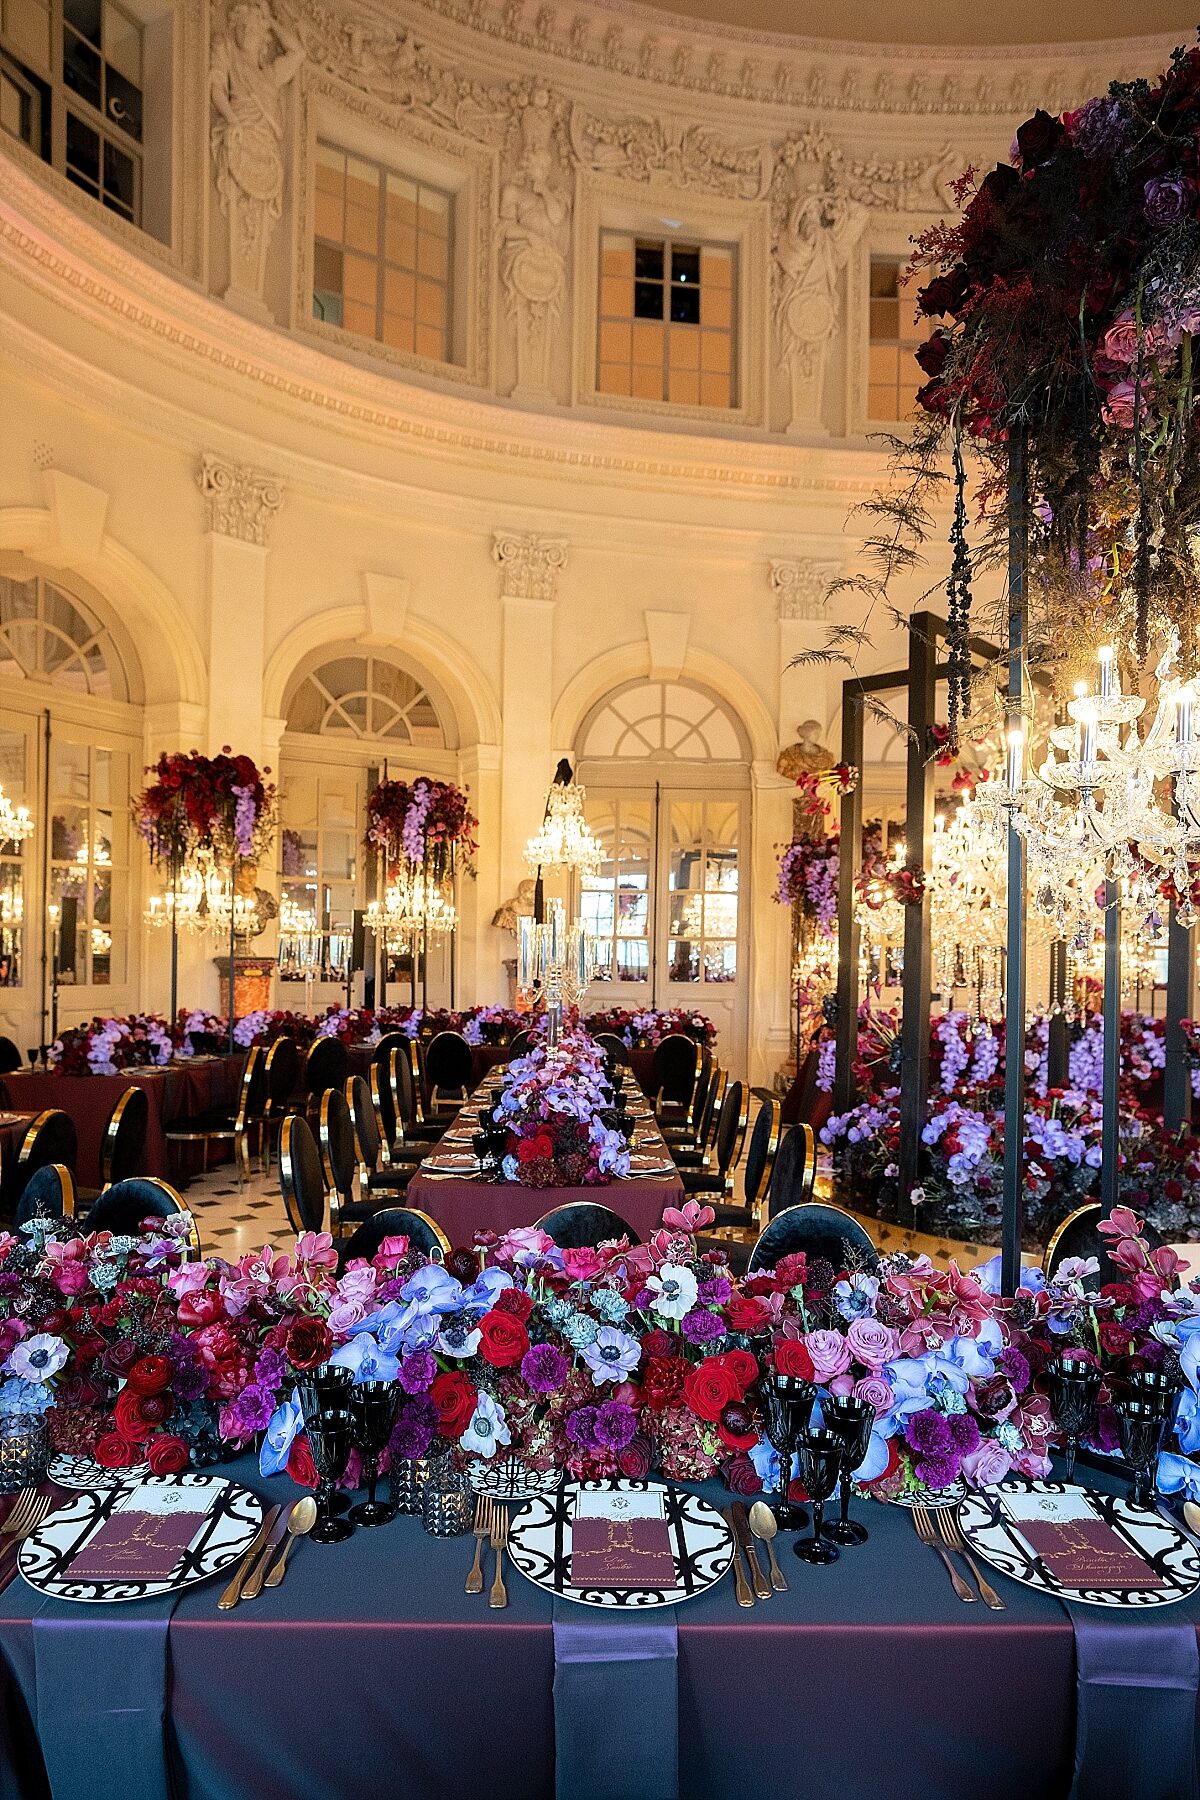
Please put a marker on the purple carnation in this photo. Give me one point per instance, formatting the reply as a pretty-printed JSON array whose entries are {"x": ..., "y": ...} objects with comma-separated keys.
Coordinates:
[
  {"x": 544, "y": 1368},
  {"x": 1012, "y": 1363},
  {"x": 965, "y": 1433},
  {"x": 417, "y": 1371},
  {"x": 269, "y": 1369},
  {"x": 928, "y": 1434},
  {"x": 190, "y": 1383},
  {"x": 701, "y": 1326},
  {"x": 581, "y": 1427},
  {"x": 252, "y": 1409},
  {"x": 615, "y": 1425},
  {"x": 938, "y": 1471},
  {"x": 714, "y": 1292},
  {"x": 1099, "y": 127},
  {"x": 413, "y": 1431}
]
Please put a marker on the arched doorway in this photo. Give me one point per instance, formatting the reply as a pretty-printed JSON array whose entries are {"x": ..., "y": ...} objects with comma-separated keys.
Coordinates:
[
  {"x": 667, "y": 770},
  {"x": 70, "y": 750},
  {"x": 352, "y": 714}
]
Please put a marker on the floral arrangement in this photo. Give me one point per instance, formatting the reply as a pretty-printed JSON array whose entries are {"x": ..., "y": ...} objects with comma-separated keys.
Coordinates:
[
  {"x": 808, "y": 878},
  {"x": 647, "y": 1029},
  {"x": 556, "y": 1106},
  {"x": 424, "y": 823},
  {"x": 222, "y": 804},
  {"x": 105, "y": 1046},
  {"x": 197, "y": 1026}
]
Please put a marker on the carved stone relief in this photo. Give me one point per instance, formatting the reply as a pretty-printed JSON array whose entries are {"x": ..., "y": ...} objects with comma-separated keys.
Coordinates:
[
  {"x": 239, "y": 501},
  {"x": 533, "y": 233},
  {"x": 529, "y": 564},
  {"x": 801, "y": 587}
]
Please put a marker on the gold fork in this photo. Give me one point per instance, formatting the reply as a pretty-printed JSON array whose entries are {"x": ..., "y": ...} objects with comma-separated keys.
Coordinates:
[
  {"x": 499, "y": 1593},
  {"x": 923, "y": 1525},
  {"x": 25, "y": 1517},
  {"x": 482, "y": 1529},
  {"x": 951, "y": 1531}
]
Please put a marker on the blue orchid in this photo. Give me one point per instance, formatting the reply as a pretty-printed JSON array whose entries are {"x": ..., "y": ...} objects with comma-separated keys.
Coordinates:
[
  {"x": 367, "y": 1358},
  {"x": 286, "y": 1424},
  {"x": 1177, "y": 1475}
]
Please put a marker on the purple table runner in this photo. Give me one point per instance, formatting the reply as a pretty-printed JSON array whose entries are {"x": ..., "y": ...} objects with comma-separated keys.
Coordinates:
[
  {"x": 101, "y": 1676},
  {"x": 616, "y": 1703},
  {"x": 1135, "y": 1721}
]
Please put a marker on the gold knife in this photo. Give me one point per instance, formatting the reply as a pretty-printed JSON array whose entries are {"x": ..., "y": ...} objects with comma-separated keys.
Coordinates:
[
  {"x": 741, "y": 1525},
  {"x": 233, "y": 1592},
  {"x": 741, "y": 1587},
  {"x": 275, "y": 1536}
]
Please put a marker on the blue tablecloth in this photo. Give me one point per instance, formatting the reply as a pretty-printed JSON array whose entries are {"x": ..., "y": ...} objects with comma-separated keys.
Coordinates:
[{"x": 371, "y": 1672}]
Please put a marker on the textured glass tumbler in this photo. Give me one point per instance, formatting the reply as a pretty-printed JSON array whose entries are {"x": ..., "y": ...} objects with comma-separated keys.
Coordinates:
[
  {"x": 448, "y": 1504},
  {"x": 24, "y": 1452},
  {"x": 408, "y": 1478}
]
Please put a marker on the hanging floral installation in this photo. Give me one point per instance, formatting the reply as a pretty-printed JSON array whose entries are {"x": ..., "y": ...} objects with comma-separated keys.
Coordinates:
[
  {"x": 427, "y": 824},
  {"x": 222, "y": 804}
]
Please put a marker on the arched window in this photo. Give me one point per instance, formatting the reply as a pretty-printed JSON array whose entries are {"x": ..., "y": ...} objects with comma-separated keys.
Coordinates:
[
  {"x": 668, "y": 719},
  {"x": 365, "y": 697},
  {"x": 48, "y": 635}
]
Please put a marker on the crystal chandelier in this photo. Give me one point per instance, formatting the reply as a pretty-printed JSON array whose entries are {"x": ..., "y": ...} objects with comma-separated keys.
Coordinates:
[
  {"x": 299, "y": 942},
  {"x": 414, "y": 908},
  {"x": 186, "y": 905},
  {"x": 564, "y": 841},
  {"x": 15, "y": 822},
  {"x": 555, "y": 963}
]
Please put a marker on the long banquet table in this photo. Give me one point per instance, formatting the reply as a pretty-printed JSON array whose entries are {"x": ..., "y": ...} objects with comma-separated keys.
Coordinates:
[{"x": 370, "y": 1672}]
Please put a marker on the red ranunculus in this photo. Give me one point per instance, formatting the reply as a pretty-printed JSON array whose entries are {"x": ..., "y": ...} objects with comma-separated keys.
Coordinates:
[
  {"x": 129, "y": 1418},
  {"x": 200, "y": 1309},
  {"x": 166, "y": 1454},
  {"x": 791, "y": 1358},
  {"x": 662, "y": 1381},
  {"x": 707, "y": 1388},
  {"x": 504, "y": 1339},
  {"x": 747, "y": 1312},
  {"x": 454, "y": 1396},
  {"x": 150, "y": 1375},
  {"x": 309, "y": 1341},
  {"x": 516, "y": 1301},
  {"x": 300, "y": 1465},
  {"x": 115, "y": 1452}
]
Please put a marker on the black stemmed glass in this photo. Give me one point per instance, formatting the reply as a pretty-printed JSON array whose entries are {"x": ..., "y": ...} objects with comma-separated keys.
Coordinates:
[
  {"x": 1157, "y": 1389},
  {"x": 327, "y": 1387},
  {"x": 1073, "y": 1386},
  {"x": 485, "y": 1156},
  {"x": 821, "y": 1456},
  {"x": 329, "y": 1438},
  {"x": 373, "y": 1409},
  {"x": 852, "y": 1420},
  {"x": 788, "y": 1401},
  {"x": 1140, "y": 1427}
]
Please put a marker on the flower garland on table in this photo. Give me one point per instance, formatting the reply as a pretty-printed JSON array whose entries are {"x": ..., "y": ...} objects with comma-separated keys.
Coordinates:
[
  {"x": 647, "y": 1028},
  {"x": 423, "y": 823},
  {"x": 105, "y": 1046},
  {"x": 556, "y": 1105}
]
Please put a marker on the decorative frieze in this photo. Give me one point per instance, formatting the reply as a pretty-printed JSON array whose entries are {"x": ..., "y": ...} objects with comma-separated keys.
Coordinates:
[{"x": 239, "y": 502}]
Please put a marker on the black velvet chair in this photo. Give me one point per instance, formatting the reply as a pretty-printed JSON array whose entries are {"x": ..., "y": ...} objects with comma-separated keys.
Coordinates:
[
  {"x": 448, "y": 1070},
  {"x": 391, "y": 1040},
  {"x": 582, "y": 1224},
  {"x": 281, "y": 1075},
  {"x": 125, "y": 1137},
  {"x": 716, "y": 1181},
  {"x": 10, "y": 1057},
  {"x": 1078, "y": 1236},
  {"x": 795, "y": 1170},
  {"x": 49, "y": 1194},
  {"x": 521, "y": 1045},
  {"x": 674, "y": 1072},
  {"x": 50, "y": 1139},
  {"x": 410, "y": 1126},
  {"x": 219, "y": 1125},
  {"x": 122, "y": 1207},
  {"x": 424, "y": 1234},
  {"x": 820, "y": 1231},
  {"x": 373, "y": 1152},
  {"x": 699, "y": 1155},
  {"x": 326, "y": 1066},
  {"x": 301, "y": 1177},
  {"x": 616, "y": 1050}
]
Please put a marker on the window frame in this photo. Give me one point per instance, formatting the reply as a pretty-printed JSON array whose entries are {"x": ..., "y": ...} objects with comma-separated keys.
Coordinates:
[
  {"x": 667, "y": 283},
  {"x": 887, "y": 236}
]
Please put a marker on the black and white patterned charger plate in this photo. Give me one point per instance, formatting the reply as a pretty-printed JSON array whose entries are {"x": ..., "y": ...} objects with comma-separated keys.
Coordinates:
[
  {"x": 933, "y": 1498},
  {"x": 224, "y": 1534},
  {"x": 1173, "y": 1556},
  {"x": 82, "y": 1472},
  {"x": 507, "y": 1478},
  {"x": 539, "y": 1543}
]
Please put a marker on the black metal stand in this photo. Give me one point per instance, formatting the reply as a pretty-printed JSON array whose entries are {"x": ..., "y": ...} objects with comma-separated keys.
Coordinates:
[
  {"x": 1177, "y": 1073},
  {"x": 1110, "y": 1087},
  {"x": 1014, "y": 987},
  {"x": 918, "y": 948},
  {"x": 1058, "y": 1048}
]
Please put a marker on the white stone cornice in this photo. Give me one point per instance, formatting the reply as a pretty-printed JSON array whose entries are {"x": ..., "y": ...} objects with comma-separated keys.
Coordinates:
[
  {"x": 239, "y": 502},
  {"x": 529, "y": 564},
  {"x": 801, "y": 587}
]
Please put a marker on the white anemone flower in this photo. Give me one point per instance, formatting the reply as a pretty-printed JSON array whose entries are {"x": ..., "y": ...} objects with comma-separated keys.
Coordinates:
[{"x": 674, "y": 1289}]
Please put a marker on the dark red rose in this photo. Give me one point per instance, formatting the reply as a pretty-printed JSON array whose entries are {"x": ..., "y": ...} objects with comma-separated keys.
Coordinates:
[
  {"x": 747, "y": 1312},
  {"x": 791, "y": 1358},
  {"x": 659, "y": 1344},
  {"x": 1000, "y": 184},
  {"x": 504, "y": 1339},
  {"x": 741, "y": 1477},
  {"x": 137, "y": 1415},
  {"x": 150, "y": 1375},
  {"x": 516, "y": 1301},
  {"x": 635, "y": 1459},
  {"x": 166, "y": 1454},
  {"x": 708, "y": 1388},
  {"x": 741, "y": 1365},
  {"x": 1038, "y": 139},
  {"x": 994, "y": 1397},
  {"x": 464, "y": 1266},
  {"x": 115, "y": 1452},
  {"x": 945, "y": 293},
  {"x": 662, "y": 1381},
  {"x": 309, "y": 1341},
  {"x": 931, "y": 355},
  {"x": 454, "y": 1396},
  {"x": 300, "y": 1465},
  {"x": 119, "y": 1358}
]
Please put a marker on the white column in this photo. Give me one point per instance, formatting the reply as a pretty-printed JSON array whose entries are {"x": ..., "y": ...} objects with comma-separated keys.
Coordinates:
[
  {"x": 770, "y": 953},
  {"x": 529, "y": 573},
  {"x": 481, "y": 947},
  {"x": 239, "y": 505}
]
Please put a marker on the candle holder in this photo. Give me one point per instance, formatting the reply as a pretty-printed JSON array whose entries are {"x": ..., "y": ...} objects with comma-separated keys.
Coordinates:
[
  {"x": 24, "y": 1451},
  {"x": 448, "y": 1503},
  {"x": 409, "y": 1476}
]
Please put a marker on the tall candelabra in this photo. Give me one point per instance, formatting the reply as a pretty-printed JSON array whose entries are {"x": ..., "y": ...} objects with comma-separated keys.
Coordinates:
[{"x": 554, "y": 964}]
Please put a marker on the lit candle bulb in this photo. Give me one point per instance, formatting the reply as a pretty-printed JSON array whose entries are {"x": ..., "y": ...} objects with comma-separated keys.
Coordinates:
[
  {"x": 1016, "y": 758},
  {"x": 1106, "y": 671}
]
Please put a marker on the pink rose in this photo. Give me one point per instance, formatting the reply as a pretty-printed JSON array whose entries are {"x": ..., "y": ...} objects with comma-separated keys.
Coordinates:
[
  {"x": 1120, "y": 407},
  {"x": 830, "y": 1354},
  {"x": 842, "y": 1385},
  {"x": 1032, "y": 1465},
  {"x": 583, "y": 1264},
  {"x": 1121, "y": 340},
  {"x": 876, "y": 1392},
  {"x": 986, "y": 1465},
  {"x": 344, "y": 1315},
  {"x": 872, "y": 1344}
]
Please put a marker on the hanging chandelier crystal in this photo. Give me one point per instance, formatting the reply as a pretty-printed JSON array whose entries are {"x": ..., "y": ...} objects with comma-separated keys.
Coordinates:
[
  {"x": 16, "y": 824},
  {"x": 299, "y": 942},
  {"x": 564, "y": 841},
  {"x": 414, "y": 908},
  {"x": 187, "y": 905}
]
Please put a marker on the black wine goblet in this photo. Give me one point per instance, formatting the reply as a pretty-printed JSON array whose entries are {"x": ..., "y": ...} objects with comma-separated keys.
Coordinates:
[
  {"x": 821, "y": 1456},
  {"x": 1140, "y": 1428},
  {"x": 329, "y": 1438},
  {"x": 328, "y": 1385},
  {"x": 1073, "y": 1386},
  {"x": 852, "y": 1420},
  {"x": 373, "y": 1409},
  {"x": 1157, "y": 1389},
  {"x": 788, "y": 1401}
]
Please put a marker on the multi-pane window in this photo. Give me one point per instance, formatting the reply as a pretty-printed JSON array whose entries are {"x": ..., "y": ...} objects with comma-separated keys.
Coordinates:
[
  {"x": 382, "y": 254},
  {"x": 365, "y": 697},
  {"x": 20, "y": 106},
  {"x": 703, "y": 891},
  {"x": 47, "y": 635},
  {"x": 666, "y": 320},
  {"x": 89, "y": 861},
  {"x": 893, "y": 376},
  {"x": 615, "y": 902},
  {"x": 14, "y": 780}
]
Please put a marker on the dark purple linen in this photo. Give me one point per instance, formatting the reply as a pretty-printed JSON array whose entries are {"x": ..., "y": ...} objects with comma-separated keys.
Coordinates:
[
  {"x": 463, "y": 1207},
  {"x": 101, "y": 1685},
  {"x": 1135, "y": 1696},
  {"x": 620, "y": 1667}
]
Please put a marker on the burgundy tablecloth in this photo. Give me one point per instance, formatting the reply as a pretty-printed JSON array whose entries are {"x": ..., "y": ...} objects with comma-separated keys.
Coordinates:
[
  {"x": 183, "y": 1088},
  {"x": 464, "y": 1207}
]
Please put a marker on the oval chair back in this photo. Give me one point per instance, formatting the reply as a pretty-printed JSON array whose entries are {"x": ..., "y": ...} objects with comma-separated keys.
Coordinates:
[
  {"x": 700, "y": 1100},
  {"x": 301, "y": 1178},
  {"x": 675, "y": 1069},
  {"x": 385, "y": 1078},
  {"x": 761, "y": 1152},
  {"x": 1077, "y": 1235},
  {"x": 50, "y": 1139},
  {"x": 326, "y": 1066},
  {"x": 582, "y": 1224},
  {"x": 339, "y": 1153},
  {"x": 448, "y": 1066},
  {"x": 125, "y": 1136},
  {"x": 252, "y": 1091},
  {"x": 713, "y": 1100},
  {"x": 391, "y": 1040},
  {"x": 49, "y": 1194},
  {"x": 281, "y": 1074},
  {"x": 423, "y": 1233},
  {"x": 363, "y": 1117},
  {"x": 616, "y": 1050},
  {"x": 795, "y": 1170},
  {"x": 10, "y": 1057},
  {"x": 820, "y": 1231},
  {"x": 521, "y": 1045},
  {"x": 122, "y": 1207},
  {"x": 731, "y": 1130},
  {"x": 411, "y": 1053}
]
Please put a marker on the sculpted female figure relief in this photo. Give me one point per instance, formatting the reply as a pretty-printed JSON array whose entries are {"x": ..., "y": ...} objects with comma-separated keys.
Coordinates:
[
  {"x": 253, "y": 60},
  {"x": 822, "y": 226},
  {"x": 533, "y": 226}
]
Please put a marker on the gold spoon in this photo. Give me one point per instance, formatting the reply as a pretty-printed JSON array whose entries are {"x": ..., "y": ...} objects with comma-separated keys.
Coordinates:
[
  {"x": 764, "y": 1525},
  {"x": 301, "y": 1519}
]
